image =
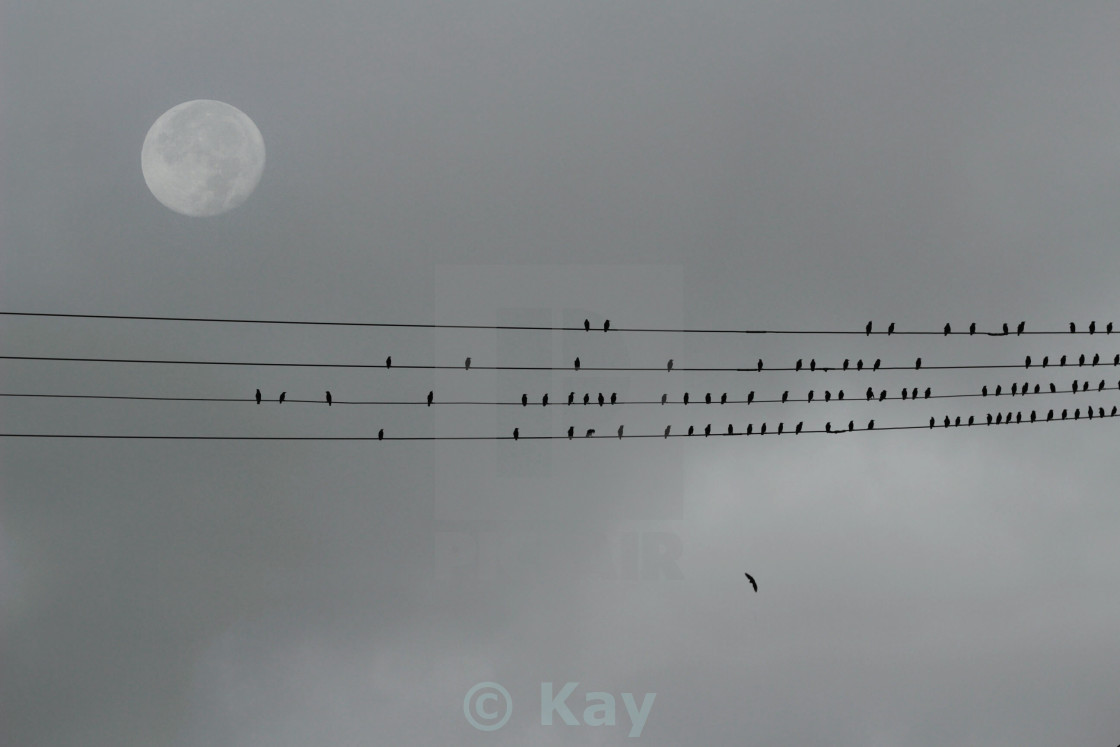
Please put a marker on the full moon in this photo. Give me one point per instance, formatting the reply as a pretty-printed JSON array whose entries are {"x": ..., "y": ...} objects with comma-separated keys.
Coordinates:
[{"x": 202, "y": 157}]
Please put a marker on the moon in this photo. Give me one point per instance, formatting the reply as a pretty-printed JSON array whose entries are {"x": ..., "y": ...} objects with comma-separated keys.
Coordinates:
[{"x": 202, "y": 157}]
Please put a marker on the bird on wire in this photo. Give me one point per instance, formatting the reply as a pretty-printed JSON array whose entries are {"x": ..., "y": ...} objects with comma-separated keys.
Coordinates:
[
  {"x": 329, "y": 401},
  {"x": 620, "y": 432},
  {"x": 283, "y": 395},
  {"x": 577, "y": 363},
  {"x": 586, "y": 325},
  {"x": 664, "y": 398},
  {"x": 614, "y": 397},
  {"x": 669, "y": 365},
  {"x": 571, "y": 397},
  {"x": 586, "y": 397},
  {"x": 723, "y": 398},
  {"x": 571, "y": 432},
  {"x": 667, "y": 430},
  {"x": 707, "y": 430},
  {"x": 690, "y": 430},
  {"x": 467, "y": 363},
  {"x": 685, "y": 399},
  {"x": 602, "y": 399},
  {"x": 867, "y": 329},
  {"x": 258, "y": 396},
  {"x": 431, "y": 396},
  {"x": 606, "y": 324},
  {"x": 876, "y": 366},
  {"x": 544, "y": 401},
  {"x": 890, "y": 328},
  {"x": 947, "y": 329},
  {"x": 972, "y": 328},
  {"x": 1022, "y": 326},
  {"x": 381, "y": 435},
  {"x": 524, "y": 400},
  {"x": 389, "y": 362},
  {"x": 516, "y": 434},
  {"x": 590, "y": 433}
]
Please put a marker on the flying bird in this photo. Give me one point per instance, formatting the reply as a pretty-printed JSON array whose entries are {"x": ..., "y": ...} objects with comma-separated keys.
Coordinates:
[
  {"x": 620, "y": 431},
  {"x": 282, "y": 396},
  {"x": 381, "y": 435},
  {"x": 586, "y": 325},
  {"x": 669, "y": 365},
  {"x": 258, "y": 396},
  {"x": 751, "y": 579},
  {"x": 328, "y": 398},
  {"x": 467, "y": 363},
  {"x": 1022, "y": 326},
  {"x": 431, "y": 396},
  {"x": 947, "y": 328}
]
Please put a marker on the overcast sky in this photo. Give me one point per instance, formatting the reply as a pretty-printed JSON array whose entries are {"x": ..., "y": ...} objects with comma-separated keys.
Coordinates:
[{"x": 796, "y": 165}]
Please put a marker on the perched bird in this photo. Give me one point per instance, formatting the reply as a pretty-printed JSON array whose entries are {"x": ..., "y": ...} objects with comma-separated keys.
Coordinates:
[
  {"x": 918, "y": 364},
  {"x": 685, "y": 398},
  {"x": 759, "y": 364},
  {"x": 946, "y": 421},
  {"x": 544, "y": 401},
  {"x": 586, "y": 398},
  {"x": 859, "y": 364},
  {"x": 1077, "y": 413},
  {"x": 524, "y": 400},
  {"x": 1113, "y": 413},
  {"x": 928, "y": 392},
  {"x": 763, "y": 429},
  {"x": 868, "y": 328},
  {"x": 1053, "y": 388},
  {"x": 989, "y": 418},
  {"x": 602, "y": 399},
  {"x": 708, "y": 429},
  {"x": 667, "y": 430},
  {"x": 750, "y": 428},
  {"x": 1064, "y": 414},
  {"x": 828, "y": 427},
  {"x": 890, "y": 328},
  {"x": 781, "y": 427},
  {"x": 1092, "y": 327},
  {"x": 282, "y": 396},
  {"x": 571, "y": 398},
  {"x": 851, "y": 425},
  {"x": 389, "y": 362},
  {"x": 810, "y": 396},
  {"x": 914, "y": 393},
  {"x": 785, "y": 395},
  {"x": 723, "y": 398},
  {"x": 999, "y": 388},
  {"x": 571, "y": 432},
  {"x": 1014, "y": 387},
  {"x": 1028, "y": 362},
  {"x": 431, "y": 395},
  {"x": 840, "y": 395},
  {"x": 1096, "y": 358},
  {"x": 586, "y": 325},
  {"x": 813, "y": 364},
  {"x": 882, "y": 395},
  {"x": 1022, "y": 326},
  {"x": 328, "y": 399},
  {"x": 846, "y": 361},
  {"x": 1108, "y": 329},
  {"x": 590, "y": 433},
  {"x": 751, "y": 579},
  {"x": 467, "y": 363},
  {"x": 606, "y": 324},
  {"x": 904, "y": 393},
  {"x": 871, "y": 425},
  {"x": 947, "y": 329},
  {"x": 797, "y": 429},
  {"x": 1018, "y": 417},
  {"x": 577, "y": 363},
  {"x": 1005, "y": 330},
  {"x": 999, "y": 418},
  {"x": 381, "y": 435},
  {"x": 258, "y": 396},
  {"x": 620, "y": 431},
  {"x": 1050, "y": 415},
  {"x": 690, "y": 430},
  {"x": 827, "y": 395},
  {"x": 1100, "y": 387},
  {"x": 669, "y": 365},
  {"x": 798, "y": 366},
  {"x": 972, "y": 328},
  {"x": 614, "y": 398},
  {"x": 1089, "y": 412},
  {"x": 1081, "y": 360},
  {"x": 984, "y": 391},
  {"x": 931, "y": 422},
  {"x": 1072, "y": 328},
  {"x": 708, "y": 398},
  {"x": 664, "y": 398},
  {"x": 750, "y": 398},
  {"x": 870, "y": 394},
  {"x": 970, "y": 420},
  {"x": 1036, "y": 388},
  {"x": 876, "y": 366},
  {"x": 1062, "y": 362},
  {"x": 516, "y": 434}
]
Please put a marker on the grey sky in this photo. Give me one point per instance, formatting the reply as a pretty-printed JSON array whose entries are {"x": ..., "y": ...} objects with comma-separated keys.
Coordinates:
[{"x": 719, "y": 164}]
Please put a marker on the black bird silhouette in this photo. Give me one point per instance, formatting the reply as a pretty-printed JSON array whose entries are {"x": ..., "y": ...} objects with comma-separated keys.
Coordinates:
[
  {"x": 1089, "y": 412},
  {"x": 846, "y": 364},
  {"x": 516, "y": 434},
  {"x": 877, "y": 364},
  {"x": 882, "y": 395},
  {"x": 258, "y": 396},
  {"x": 1014, "y": 387},
  {"x": 590, "y": 433},
  {"x": 828, "y": 427},
  {"x": 1108, "y": 329},
  {"x": 750, "y": 428},
  {"x": 751, "y": 579},
  {"x": 928, "y": 392},
  {"x": 827, "y": 395},
  {"x": 1062, "y": 362},
  {"x": 868, "y": 328},
  {"x": 544, "y": 401},
  {"x": 759, "y": 364},
  {"x": 840, "y": 395},
  {"x": 571, "y": 432},
  {"x": 999, "y": 388},
  {"x": 381, "y": 435},
  {"x": 763, "y": 430},
  {"x": 690, "y": 430},
  {"x": 601, "y": 399},
  {"x": 871, "y": 425},
  {"x": 1028, "y": 361},
  {"x": 586, "y": 325},
  {"x": 918, "y": 364},
  {"x": 931, "y": 422},
  {"x": 1096, "y": 358},
  {"x": 708, "y": 429},
  {"x": 389, "y": 362},
  {"x": 1113, "y": 413},
  {"x": 972, "y": 328},
  {"x": 620, "y": 432},
  {"x": 1050, "y": 415},
  {"x": 781, "y": 427},
  {"x": 785, "y": 395},
  {"x": 664, "y": 398},
  {"x": 467, "y": 363},
  {"x": 1018, "y": 417},
  {"x": 571, "y": 397},
  {"x": 431, "y": 396},
  {"x": 870, "y": 394},
  {"x": 1005, "y": 330},
  {"x": 586, "y": 398},
  {"x": 947, "y": 329},
  {"x": 859, "y": 364},
  {"x": 1063, "y": 414},
  {"x": 798, "y": 366},
  {"x": 577, "y": 363},
  {"x": 524, "y": 400},
  {"x": 669, "y": 365},
  {"x": 1072, "y": 328},
  {"x": 750, "y": 398},
  {"x": 851, "y": 425},
  {"x": 970, "y": 419},
  {"x": 1022, "y": 326},
  {"x": 685, "y": 398},
  {"x": 914, "y": 393},
  {"x": 1092, "y": 327},
  {"x": 984, "y": 391},
  {"x": 1053, "y": 388},
  {"x": 1100, "y": 387},
  {"x": 282, "y": 396},
  {"x": 1077, "y": 413},
  {"x": 890, "y": 328},
  {"x": 946, "y": 421},
  {"x": 810, "y": 396},
  {"x": 667, "y": 430},
  {"x": 957, "y": 421},
  {"x": 1081, "y": 360},
  {"x": 708, "y": 398},
  {"x": 797, "y": 429},
  {"x": 606, "y": 324},
  {"x": 328, "y": 399},
  {"x": 989, "y": 418},
  {"x": 723, "y": 398},
  {"x": 614, "y": 397},
  {"x": 904, "y": 392},
  {"x": 999, "y": 418},
  {"x": 813, "y": 364}
]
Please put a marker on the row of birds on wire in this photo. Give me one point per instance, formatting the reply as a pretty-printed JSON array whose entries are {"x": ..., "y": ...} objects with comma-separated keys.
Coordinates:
[
  {"x": 946, "y": 330},
  {"x": 811, "y": 395}
]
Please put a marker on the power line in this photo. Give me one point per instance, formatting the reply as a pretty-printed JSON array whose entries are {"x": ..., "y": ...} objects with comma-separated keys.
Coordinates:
[
  {"x": 628, "y": 369},
  {"x": 1005, "y": 332},
  {"x": 871, "y": 427}
]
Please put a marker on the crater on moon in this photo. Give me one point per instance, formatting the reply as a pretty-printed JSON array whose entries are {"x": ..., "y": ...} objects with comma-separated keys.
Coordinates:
[{"x": 202, "y": 157}]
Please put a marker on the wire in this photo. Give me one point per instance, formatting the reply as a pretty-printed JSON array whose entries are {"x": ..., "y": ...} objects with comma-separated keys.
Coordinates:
[
  {"x": 631, "y": 369},
  {"x": 842, "y": 431},
  {"x": 613, "y": 328}
]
